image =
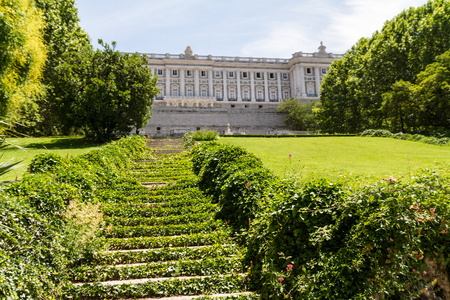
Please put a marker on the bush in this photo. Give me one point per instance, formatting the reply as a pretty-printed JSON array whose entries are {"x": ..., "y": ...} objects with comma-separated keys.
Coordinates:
[
  {"x": 241, "y": 194},
  {"x": 49, "y": 219},
  {"x": 320, "y": 240},
  {"x": 214, "y": 163},
  {"x": 408, "y": 137},
  {"x": 45, "y": 162},
  {"x": 204, "y": 135},
  {"x": 378, "y": 240}
]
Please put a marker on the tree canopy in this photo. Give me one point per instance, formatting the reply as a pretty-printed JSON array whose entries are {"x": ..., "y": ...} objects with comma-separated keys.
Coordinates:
[
  {"x": 352, "y": 92},
  {"x": 109, "y": 93},
  {"x": 22, "y": 55}
]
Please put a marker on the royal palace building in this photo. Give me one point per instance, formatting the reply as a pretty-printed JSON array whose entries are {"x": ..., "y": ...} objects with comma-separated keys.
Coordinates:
[{"x": 199, "y": 92}]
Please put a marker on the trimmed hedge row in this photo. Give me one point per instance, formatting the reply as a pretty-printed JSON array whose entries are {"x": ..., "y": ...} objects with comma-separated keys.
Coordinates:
[
  {"x": 406, "y": 136},
  {"x": 321, "y": 240}
]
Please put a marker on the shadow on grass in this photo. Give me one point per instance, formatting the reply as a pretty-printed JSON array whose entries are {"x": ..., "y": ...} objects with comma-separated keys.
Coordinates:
[{"x": 63, "y": 143}]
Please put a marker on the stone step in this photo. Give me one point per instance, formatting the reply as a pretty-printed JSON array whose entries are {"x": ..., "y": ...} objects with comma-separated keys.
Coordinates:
[
  {"x": 144, "y": 280},
  {"x": 195, "y": 297}
]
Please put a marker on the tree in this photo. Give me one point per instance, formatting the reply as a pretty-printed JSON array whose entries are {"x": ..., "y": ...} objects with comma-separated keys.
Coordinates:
[
  {"x": 65, "y": 40},
  {"x": 299, "y": 116},
  {"x": 354, "y": 88},
  {"x": 112, "y": 93},
  {"x": 432, "y": 93},
  {"x": 22, "y": 55},
  {"x": 399, "y": 108}
]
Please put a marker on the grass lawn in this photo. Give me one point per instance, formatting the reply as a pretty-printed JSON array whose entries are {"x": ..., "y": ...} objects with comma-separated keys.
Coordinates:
[
  {"x": 343, "y": 157},
  {"x": 64, "y": 146}
]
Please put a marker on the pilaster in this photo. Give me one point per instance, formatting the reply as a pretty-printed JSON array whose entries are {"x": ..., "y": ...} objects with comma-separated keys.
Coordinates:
[
  {"x": 266, "y": 86},
  {"x": 182, "y": 83},
  {"x": 225, "y": 88},
  {"x": 317, "y": 80},
  {"x": 238, "y": 85},
  {"x": 196, "y": 83},
  {"x": 252, "y": 86}
]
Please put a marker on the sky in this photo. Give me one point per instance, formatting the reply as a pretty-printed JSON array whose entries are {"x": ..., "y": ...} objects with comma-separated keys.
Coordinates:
[{"x": 246, "y": 28}]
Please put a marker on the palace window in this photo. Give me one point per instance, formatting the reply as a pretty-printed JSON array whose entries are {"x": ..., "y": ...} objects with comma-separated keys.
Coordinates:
[
  {"x": 204, "y": 93},
  {"x": 217, "y": 74},
  {"x": 273, "y": 95},
  {"x": 272, "y": 75},
  {"x": 218, "y": 94},
  {"x": 245, "y": 75},
  {"x": 324, "y": 71},
  {"x": 174, "y": 72},
  {"x": 232, "y": 95},
  {"x": 259, "y": 95},
  {"x": 309, "y": 71},
  {"x": 203, "y": 73},
  {"x": 285, "y": 76},
  {"x": 175, "y": 92},
  {"x": 246, "y": 95},
  {"x": 188, "y": 73},
  {"x": 231, "y": 74},
  {"x": 159, "y": 72},
  {"x": 286, "y": 95},
  {"x": 258, "y": 75},
  {"x": 189, "y": 92}
]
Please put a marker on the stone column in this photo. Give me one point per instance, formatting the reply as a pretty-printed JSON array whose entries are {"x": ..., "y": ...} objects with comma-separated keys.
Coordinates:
[
  {"x": 302, "y": 82},
  {"x": 196, "y": 83},
  {"x": 266, "y": 86},
  {"x": 316, "y": 70},
  {"x": 252, "y": 86},
  {"x": 280, "y": 92},
  {"x": 225, "y": 90},
  {"x": 168, "y": 91},
  {"x": 238, "y": 78},
  {"x": 182, "y": 83},
  {"x": 210, "y": 83}
]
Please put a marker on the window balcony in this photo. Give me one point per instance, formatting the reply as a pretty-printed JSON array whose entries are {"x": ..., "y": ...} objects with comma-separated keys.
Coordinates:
[
  {"x": 232, "y": 99},
  {"x": 219, "y": 99},
  {"x": 246, "y": 99},
  {"x": 259, "y": 100}
]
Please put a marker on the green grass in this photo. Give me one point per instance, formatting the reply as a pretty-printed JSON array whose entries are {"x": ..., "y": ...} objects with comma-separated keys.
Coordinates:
[
  {"x": 64, "y": 146},
  {"x": 343, "y": 157}
]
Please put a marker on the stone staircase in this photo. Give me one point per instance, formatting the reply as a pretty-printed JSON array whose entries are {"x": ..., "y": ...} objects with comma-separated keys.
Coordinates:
[{"x": 163, "y": 241}]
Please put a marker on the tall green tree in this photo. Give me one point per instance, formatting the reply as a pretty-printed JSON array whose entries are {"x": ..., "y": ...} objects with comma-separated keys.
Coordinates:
[
  {"x": 112, "y": 93},
  {"x": 22, "y": 55},
  {"x": 432, "y": 94},
  {"x": 400, "y": 51},
  {"x": 65, "y": 40}
]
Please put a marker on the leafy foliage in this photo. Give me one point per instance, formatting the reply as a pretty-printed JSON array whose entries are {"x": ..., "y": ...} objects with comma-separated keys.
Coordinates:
[
  {"x": 320, "y": 240},
  {"x": 22, "y": 55},
  {"x": 49, "y": 220},
  {"x": 299, "y": 116},
  {"x": 352, "y": 92},
  {"x": 409, "y": 137},
  {"x": 204, "y": 135}
]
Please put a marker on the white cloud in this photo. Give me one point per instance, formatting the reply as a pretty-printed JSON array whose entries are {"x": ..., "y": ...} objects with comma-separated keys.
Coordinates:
[{"x": 361, "y": 19}]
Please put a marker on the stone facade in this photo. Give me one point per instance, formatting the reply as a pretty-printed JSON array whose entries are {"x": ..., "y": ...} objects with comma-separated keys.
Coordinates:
[{"x": 208, "y": 92}]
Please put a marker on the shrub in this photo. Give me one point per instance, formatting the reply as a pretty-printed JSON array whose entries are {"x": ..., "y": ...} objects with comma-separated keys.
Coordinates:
[
  {"x": 214, "y": 163},
  {"x": 409, "y": 137},
  {"x": 356, "y": 243},
  {"x": 45, "y": 162},
  {"x": 204, "y": 135},
  {"x": 240, "y": 195}
]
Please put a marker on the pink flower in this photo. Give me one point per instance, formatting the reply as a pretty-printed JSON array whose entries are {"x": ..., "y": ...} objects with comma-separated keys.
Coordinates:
[
  {"x": 281, "y": 279},
  {"x": 109, "y": 229},
  {"x": 289, "y": 267},
  {"x": 426, "y": 289},
  {"x": 425, "y": 272},
  {"x": 290, "y": 155}
]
